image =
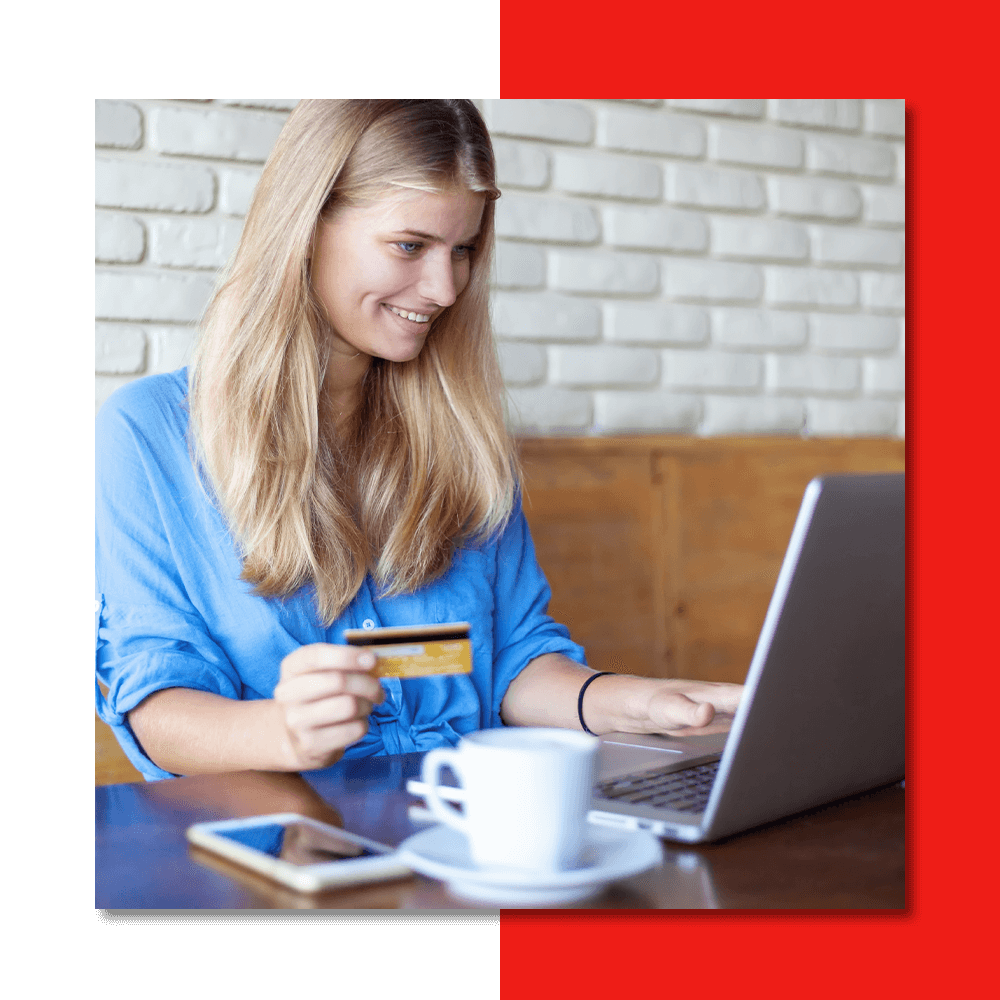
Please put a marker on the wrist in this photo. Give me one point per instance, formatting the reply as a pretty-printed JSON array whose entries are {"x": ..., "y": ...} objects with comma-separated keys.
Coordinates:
[
  {"x": 618, "y": 703},
  {"x": 286, "y": 752}
]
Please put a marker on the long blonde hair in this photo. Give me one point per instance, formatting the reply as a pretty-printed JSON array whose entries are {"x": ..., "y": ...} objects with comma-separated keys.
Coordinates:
[{"x": 427, "y": 463}]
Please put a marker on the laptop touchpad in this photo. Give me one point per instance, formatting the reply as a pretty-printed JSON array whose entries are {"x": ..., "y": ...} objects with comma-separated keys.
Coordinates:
[{"x": 623, "y": 753}]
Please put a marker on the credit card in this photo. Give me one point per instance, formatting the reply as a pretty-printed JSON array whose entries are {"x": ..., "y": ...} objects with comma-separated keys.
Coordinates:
[{"x": 416, "y": 650}]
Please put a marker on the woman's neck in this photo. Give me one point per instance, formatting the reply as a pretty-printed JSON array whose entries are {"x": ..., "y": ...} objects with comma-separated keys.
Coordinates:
[{"x": 342, "y": 383}]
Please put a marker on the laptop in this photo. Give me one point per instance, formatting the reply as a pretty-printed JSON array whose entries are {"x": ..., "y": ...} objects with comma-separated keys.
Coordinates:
[{"x": 823, "y": 711}]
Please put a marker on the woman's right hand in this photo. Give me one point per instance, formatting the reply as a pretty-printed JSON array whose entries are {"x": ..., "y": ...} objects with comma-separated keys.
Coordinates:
[{"x": 325, "y": 695}]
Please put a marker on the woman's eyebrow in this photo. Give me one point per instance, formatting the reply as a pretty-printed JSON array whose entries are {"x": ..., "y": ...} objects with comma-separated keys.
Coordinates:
[{"x": 431, "y": 238}]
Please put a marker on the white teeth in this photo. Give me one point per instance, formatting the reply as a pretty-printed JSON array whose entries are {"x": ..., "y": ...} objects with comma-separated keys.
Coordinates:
[{"x": 412, "y": 316}]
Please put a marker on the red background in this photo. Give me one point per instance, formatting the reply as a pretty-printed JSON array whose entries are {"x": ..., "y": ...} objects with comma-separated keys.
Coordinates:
[{"x": 943, "y": 65}]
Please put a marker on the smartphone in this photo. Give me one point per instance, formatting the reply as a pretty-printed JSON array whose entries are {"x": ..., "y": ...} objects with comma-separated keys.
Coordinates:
[{"x": 302, "y": 853}]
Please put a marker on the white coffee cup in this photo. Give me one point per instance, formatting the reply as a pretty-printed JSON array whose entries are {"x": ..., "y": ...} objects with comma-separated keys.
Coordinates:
[{"x": 526, "y": 794}]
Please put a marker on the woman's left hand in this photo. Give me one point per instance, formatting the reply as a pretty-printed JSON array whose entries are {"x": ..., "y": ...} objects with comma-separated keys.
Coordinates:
[
  {"x": 546, "y": 693},
  {"x": 685, "y": 707}
]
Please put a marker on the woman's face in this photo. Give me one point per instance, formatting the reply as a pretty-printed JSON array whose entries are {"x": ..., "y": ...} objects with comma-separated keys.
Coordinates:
[{"x": 383, "y": 273}]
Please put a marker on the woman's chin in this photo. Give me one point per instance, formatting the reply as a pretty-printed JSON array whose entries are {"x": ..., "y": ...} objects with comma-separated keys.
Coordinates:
[{"x": 402, "y": 352}]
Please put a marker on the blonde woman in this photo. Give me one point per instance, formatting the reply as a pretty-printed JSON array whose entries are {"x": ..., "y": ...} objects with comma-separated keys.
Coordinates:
[{"x": 336, "y": 457}]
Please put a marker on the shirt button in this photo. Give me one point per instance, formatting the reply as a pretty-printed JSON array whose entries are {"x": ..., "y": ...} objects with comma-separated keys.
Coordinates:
[{"x": 368, "y": 624}]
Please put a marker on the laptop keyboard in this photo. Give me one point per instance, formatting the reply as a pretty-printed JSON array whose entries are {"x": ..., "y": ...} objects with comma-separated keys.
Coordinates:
[{"x": 683, "y": 791}]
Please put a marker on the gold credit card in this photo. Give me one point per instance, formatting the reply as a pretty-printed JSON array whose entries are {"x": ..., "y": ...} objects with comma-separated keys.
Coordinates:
[{"x": 416, "y": 650}]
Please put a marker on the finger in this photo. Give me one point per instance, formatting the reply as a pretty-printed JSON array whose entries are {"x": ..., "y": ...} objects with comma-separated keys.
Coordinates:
[
  {"x": 329, "y": 712},
  {"x": 326, "y": 656},
  {"x": 701, "y": 714},
  {"x": 326, "y": 683},
  {"x": 724, "y": 697},
  {"x": 677, "y": 711},
  {"x": 316, "y": 745}
]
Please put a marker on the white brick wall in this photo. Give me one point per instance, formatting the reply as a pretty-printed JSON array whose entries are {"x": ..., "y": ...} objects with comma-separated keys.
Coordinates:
[
  {"x": 676, "y": 266},
  {"x": 173, "y": 183}
]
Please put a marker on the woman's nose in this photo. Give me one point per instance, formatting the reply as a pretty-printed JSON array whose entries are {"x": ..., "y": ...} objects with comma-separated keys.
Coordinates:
[{"x": 438, "y": 281}]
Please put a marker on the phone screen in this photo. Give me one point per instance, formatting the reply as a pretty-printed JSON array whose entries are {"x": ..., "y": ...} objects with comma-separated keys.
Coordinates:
[{"x": 297, "y": 843}]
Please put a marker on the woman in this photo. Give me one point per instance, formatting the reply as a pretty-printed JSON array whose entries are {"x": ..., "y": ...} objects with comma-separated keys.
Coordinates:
[{"x": 336, "y": 458}]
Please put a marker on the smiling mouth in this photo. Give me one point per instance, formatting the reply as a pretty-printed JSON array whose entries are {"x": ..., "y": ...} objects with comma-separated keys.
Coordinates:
[{"x": 413, "y": 317}]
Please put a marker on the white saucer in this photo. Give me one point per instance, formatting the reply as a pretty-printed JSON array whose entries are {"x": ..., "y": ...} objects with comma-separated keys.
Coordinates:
[{"x": 608, "y": 854}]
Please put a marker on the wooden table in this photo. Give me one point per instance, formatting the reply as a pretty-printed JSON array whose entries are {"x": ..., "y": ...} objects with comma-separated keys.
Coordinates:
[{"x": 849, "y": 855}]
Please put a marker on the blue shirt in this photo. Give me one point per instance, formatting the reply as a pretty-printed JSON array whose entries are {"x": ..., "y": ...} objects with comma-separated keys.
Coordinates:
[{"x": 172, "y": 610}]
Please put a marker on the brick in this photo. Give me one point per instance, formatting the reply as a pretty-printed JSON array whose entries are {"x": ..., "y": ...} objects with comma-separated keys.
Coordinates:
[
  {"x": 837, "y": 332},
  {"x": 545, "y": 317},
  {"x": 519, "y": 265},
  {"x": 817, "y": 198},
  {"x": 885, "y": 206},
  {"x": 818, "y": 114},
  {"x": 740, "y": 109},
  {"x": 602, "y": 271},
  {"x": 561, "y": 121},
  {"x": 605, "y": 175},
  {"x": 842, "y": 245},
  {"x": 655, "y": 228},
  {"x": 855, "y": 157},
  {"x": 273, "y": 104},
  {"x": 703, "y": 186},
  {"x": 883, "y": 291},
  {"x": 640, "y": 131},
  {"x": 772, "y": 239},
  {"x": 521, "y": 164},
  {"x": 715, "y": 280},
  {"x": 118, "y": 124},
  {"x": 795, "y": 286},
  {"x": 655, "y": 323},
  {"x": 118, "y": 239},
  {"x": 763, "y": 147},
  {"x": 652, "y": 410},
  {"x": 165, "y": 187},
  {"x": 603, "y": 365},
  {"x": 711, "y": 370},
  {"x": 885, "y": 376},
  {"x": 886, "y": 118},
  {"x": 771, "y": 329},
  {"x": 522, "y": 364},
  {"x": 549, "y": 409},
  {"x": 236, "y": 187},
  {"x": 561, "y": 220},
  {"x": 193, "y": 242},
  {"x": 227, "y": 135},
  {"x": 170, "y": 347},
  {"x": 850, "y": 418},
  {"x": 119, "y": 349},
  {"x": 752, "y": 415},
  {"x": 177, "y": 297},
  {"x": 812, "y": 373}
]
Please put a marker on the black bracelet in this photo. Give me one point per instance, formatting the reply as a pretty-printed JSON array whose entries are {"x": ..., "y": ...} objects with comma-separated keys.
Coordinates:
[{"x": 579, "y": 702}]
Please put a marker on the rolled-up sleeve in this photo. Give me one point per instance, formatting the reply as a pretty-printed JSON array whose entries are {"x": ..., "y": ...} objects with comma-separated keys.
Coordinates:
[
  {"x": 523, "y": 629},
  {"x": 149, "y": 634}
]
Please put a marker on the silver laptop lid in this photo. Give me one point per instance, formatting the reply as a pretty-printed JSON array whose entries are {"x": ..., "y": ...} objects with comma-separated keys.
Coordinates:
[{"x": 823, "y": 716}]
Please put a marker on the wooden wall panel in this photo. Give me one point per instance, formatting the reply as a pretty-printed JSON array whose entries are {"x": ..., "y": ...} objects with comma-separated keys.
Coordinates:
[
  {"x": 591, "y": 517},
  {"x": 662, "y": 552}
]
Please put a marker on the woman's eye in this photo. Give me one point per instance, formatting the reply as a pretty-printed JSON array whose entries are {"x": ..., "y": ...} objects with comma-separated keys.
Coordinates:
[
  {"x": 408, "y": 247},
  {"x": 465, "y": 251}
]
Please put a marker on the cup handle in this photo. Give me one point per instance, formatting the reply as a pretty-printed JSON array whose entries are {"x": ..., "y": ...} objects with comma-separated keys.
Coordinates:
[{"x": 430, "y": 770}]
